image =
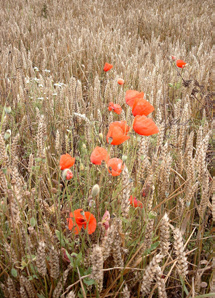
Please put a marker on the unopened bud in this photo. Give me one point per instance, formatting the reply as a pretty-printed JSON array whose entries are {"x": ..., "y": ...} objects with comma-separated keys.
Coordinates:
[
  {"x": 7, "y": 110},
  {"x": 54, "y": 190},
  {"x": 95, "y": 190},
  {"x": 81, "y": 167},
  {"x": 67, "y": 174},
  {"x": 124, "y": 157},
  {"x": 7, "y": 134},
  {"x": 101, "y": 136}
]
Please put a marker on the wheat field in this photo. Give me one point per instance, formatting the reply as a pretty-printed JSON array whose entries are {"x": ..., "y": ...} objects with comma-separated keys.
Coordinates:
[{"x": 149, "y": 231}]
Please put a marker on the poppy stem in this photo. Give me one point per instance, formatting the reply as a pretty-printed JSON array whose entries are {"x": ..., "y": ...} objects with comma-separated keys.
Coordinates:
[{"x": 82, "y": 287}]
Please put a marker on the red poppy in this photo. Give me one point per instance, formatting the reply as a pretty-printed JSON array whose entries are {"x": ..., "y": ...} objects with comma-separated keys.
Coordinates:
[
  {"x": 144, "y": 126},
  {"x": 120, "y": 81},
  {"x": 79, "y": 219},
  {"x": 98, "y": 155},
  {"x": 107, "y": 66},
  {"x": 115, "y": 107},
  {"x": 180, "y": 63},
  {"x": 66, "y": 161},
  {"x": 142, "y": 107},
  {"x": 135, "y": 203},
  {"x": 115, "y": 166},
  {"x": 117, "y": 133},
  {"x": 131, "y": 95}
]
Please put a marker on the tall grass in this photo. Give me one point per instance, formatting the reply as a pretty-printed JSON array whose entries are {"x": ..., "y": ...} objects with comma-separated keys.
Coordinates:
[{"x": 54, "y": 100}]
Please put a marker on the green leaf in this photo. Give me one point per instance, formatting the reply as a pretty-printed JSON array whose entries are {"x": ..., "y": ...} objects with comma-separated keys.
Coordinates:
[
  {"x": 4, "y": 170},
  {"x": 33, "y": 222},
  {"x": 155, "y": 238},
  {"x": 40, "y": 296},
  {"x": 60, "y": 237},
  {"x": 154, "y": 245},
  {"x": 89, "y": 282},
  {"x": 14, "y": 272}
]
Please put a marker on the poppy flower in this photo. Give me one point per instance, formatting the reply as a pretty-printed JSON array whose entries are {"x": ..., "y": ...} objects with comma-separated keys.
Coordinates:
[
  {"x": 66, "y": 161},
  {"x": 115, "y": 166},
  {"x": 67, "y": 174},
  {"x": 131, "y": 95},
  {"x": 120, "y": 81},
  {"x": 117, "y": 133},
  {"x": 98, "y": 155},
  {"x": 79, "y": 219},
  {"x": 180, "y": 63},
  {"x": 144, "y": 126},
  {"x": 142, "y": 107},
  {"x": 107, "y": 67},
  {"x": 135, "y": 203},
  {"x": 115, "y": 107}
]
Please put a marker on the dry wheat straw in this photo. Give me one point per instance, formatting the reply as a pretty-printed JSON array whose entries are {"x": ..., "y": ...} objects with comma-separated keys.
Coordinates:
[
  {"x": 54, "y": 263},
  {"x": 161, "y": 284},
  {"x": 150, "y": 273},
  {"x": 71, "y": 294},
  {"x": 59, "y": 287},
  {"x": 180, "y": 253},
  {"x": 107, "y": 242},
  {"x": 117, "y": 243},
  {"x": 23, "y": 292},
  {"x": 41, "y": 258},
  {"x": 28, "y": 286},
  {"x": 164, "y": 234},
  {"x": 97, "y": 266},
  {"x": 127, "y": 186},
  {"x": 125, "y": 292}
]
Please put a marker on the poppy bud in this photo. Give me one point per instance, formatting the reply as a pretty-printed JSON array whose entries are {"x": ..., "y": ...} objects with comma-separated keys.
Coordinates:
[
  {"x": 101, "y": 136},
  {"x": 7, "y": 110},
  {"x": 173, "y": 58},
  {"x": 81, "y": 167},
  {"x": 84, "y": 146},
  {"x": 67, "y": 174},
  {"x": 106, "y": 219},
  {"x": 7, "y": 134},
  {"x": 124, "y": 158},
  {"x": 120, "y": 81},
  {"x": 95, "y": 190}
]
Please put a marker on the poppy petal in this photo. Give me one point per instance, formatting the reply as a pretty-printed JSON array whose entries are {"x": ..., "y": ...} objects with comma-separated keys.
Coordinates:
[
  {"x": 142, "y": 107},
  {"x": 180, "y": 63},
  {"x": 98, "y": 155},
  {"x": 107, "y": 67},
  {"x": 115, "y": 166},
  {"x": 73, "y": 224},
  {"x": 66, "y": 161},
  {"x": 131, "y": 95},
  {"x": 144, "y": 126},
  {"x": 115, "y": 108},
  {"x": 90, "y": 222},
  {"x": 135, "y": 203}
]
